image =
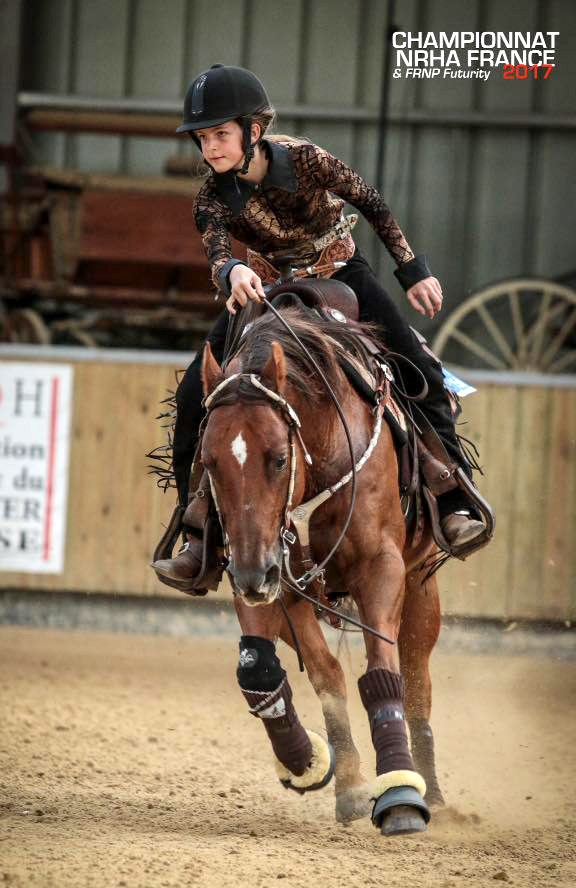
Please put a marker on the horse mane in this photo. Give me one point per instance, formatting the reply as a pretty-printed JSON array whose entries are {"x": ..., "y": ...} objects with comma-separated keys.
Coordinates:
[{"x": 323, "y": 338}]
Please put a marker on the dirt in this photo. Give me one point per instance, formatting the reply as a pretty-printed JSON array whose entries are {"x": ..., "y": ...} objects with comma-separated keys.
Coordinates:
[{"x": 131, "y": 761}]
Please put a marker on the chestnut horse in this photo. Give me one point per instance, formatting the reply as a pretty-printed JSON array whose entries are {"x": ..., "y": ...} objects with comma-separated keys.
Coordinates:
[{"x": 272, "y": 441}]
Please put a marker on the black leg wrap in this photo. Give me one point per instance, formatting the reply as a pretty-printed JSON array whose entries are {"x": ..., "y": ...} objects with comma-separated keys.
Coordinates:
[
  {"x": 382, "y": 693},
  {"x": 269, "y": 696},
  {"x": 259, "y": 668}
]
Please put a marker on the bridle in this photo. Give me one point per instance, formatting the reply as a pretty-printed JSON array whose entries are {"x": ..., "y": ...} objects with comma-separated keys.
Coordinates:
[
  {"x": 294, "y": 425},
  {"x": 300, "y": 516}
]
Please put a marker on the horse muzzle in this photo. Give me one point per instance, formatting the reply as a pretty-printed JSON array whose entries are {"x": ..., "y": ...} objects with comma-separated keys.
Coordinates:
[{"x": 256, "y": 587}]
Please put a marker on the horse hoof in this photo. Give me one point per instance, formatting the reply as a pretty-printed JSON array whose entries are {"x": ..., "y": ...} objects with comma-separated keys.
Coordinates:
[
  {"x": 353, "y": 804},
  {"x": 318, "y": 773},
  {"x": 403, "y": 820},
  {"x": 400, "y": 811}
]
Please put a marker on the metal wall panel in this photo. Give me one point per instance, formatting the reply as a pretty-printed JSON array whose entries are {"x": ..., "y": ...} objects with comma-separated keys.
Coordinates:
[
  {"x": 47, "y": 66},
  {"x": 511, "y": 16},
  {"x": 560, "y": 15},
  {"x": 10, "y": 25},
  {"x": 482, "y": 202},
  {"x": 277, "y": 58},
  {"x": 218, "y": 34},
  {"x": 156, "y": 54},
  {"x": 498, "y": 208},
  {"x": 449, "y": 94},
  {"x": 99, "y": 66},
  {"x": 554, "y": 222}
]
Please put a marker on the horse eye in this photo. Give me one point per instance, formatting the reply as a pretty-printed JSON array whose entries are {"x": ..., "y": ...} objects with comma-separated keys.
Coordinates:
[{"x": 280, "y": 462}]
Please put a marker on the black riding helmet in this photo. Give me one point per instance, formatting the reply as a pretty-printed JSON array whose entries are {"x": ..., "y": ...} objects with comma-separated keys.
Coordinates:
[{"x": 221, "y": 94}]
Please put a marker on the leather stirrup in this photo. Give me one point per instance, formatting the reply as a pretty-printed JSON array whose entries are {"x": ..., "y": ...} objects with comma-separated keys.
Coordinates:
[
  {"x": 211, "y": 568},
  {"x": 461, "y": 552},
  {"x": 168, "y": 539}
]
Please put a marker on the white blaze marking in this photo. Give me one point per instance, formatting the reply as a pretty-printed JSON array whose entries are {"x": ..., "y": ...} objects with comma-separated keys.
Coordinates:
[{"x": 239, "y": 449}]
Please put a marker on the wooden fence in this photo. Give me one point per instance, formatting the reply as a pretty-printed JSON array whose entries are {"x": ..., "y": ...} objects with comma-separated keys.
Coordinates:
[
  {"x": 524, "y": 428},
  {"x": 526, "y": 434}
]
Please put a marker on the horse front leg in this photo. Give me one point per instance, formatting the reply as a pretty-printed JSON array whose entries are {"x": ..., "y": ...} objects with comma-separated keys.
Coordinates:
[
  {"x": 304, "y": 761},
  {"x": 398, "y": 790},
  {"x": 419, "y": 631},
  {"x": 327, "y": 679}
]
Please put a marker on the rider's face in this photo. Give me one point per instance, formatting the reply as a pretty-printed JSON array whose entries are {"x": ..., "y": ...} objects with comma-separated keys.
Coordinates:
[{"x": 222, "y": 146}]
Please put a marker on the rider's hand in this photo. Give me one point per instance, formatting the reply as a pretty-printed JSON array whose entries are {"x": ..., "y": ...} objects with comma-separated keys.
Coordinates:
[
  {"x": 425, "y": 296},
  {"x": 244, "y": 285}
]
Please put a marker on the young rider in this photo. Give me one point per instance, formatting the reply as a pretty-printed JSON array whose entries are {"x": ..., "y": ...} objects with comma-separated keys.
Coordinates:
[{"x": 283, "y": 197}]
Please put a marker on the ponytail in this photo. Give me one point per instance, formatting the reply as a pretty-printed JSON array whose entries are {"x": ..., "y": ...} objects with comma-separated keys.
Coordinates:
[{"x": 267, "y": 118}]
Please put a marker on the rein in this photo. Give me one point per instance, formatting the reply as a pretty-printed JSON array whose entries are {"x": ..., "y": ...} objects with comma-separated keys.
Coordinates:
[
  {"x": 318, "y": 569},
  {"x": 301, "y": 515}
]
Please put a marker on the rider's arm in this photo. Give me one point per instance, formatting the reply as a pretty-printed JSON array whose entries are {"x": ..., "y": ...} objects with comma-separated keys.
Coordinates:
[
  {"x": 335, "y": 176},
  {"x": 210, "y": 217},
  {"x": 230, "y": 276},
  {"x": 422, "y": 289}
]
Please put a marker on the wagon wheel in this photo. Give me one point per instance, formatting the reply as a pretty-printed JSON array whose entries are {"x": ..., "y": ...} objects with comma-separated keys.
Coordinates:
[
  {"x": 73, "y": 329},
  {"x": 24, "y": 325},
  {"x": 519, "y": 324},
  {"x": 84, "y": 338}
]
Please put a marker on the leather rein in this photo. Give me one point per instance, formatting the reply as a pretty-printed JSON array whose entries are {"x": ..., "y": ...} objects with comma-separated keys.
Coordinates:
[{"x": 299, "y": 517}]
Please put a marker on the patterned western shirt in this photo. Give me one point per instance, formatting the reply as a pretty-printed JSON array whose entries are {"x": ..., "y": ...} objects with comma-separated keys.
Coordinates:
[{"x": 299, "y": 200}]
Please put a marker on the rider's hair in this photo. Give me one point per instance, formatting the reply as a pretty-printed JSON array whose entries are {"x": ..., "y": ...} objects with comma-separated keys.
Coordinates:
[{"x": 267, "y": 118}]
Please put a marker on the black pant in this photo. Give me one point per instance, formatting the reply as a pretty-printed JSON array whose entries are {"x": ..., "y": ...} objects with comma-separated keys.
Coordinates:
[
  {"x": 376, "y": 306},
  {"x": 190, "y": 412}
]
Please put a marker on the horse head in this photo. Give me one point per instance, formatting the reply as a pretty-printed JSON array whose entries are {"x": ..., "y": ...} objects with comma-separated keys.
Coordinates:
[{"x": 246, "y": 449}]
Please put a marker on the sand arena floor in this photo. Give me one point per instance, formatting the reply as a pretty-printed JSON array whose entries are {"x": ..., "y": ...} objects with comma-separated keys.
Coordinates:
[{"x": 131, "y": 761}]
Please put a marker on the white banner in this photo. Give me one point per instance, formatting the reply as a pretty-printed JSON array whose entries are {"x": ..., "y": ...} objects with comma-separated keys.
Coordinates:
[{"x": 35, "y": 409}]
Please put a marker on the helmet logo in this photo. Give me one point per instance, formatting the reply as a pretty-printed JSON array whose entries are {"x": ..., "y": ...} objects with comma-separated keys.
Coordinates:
[{"x": 197, "y": 104}]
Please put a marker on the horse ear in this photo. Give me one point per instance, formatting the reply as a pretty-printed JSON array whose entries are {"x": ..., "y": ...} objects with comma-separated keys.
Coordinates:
[
  {"x": 211, "y": 372},
  {"x": 274, "y": 373}
]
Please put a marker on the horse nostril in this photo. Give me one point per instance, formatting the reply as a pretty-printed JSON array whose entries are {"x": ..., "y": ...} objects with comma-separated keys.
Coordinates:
[{"x": 272, "y": 575}]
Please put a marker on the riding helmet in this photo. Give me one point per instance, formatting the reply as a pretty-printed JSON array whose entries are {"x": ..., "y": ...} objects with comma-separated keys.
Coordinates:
[{"x": 220, "y": 94}]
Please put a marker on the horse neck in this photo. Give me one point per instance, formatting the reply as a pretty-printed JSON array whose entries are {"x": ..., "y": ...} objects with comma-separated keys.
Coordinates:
[{"x": 323, "y": 432}]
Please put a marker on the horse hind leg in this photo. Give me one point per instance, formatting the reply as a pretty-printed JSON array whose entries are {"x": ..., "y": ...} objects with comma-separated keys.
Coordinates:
[
  {"x": 419, "y": 631},
  {"x": 327, "y": 679}
]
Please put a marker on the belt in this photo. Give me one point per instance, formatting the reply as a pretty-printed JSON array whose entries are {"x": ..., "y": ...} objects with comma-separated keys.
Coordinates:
[
  {"x": 334, "y": 245},
  {"x": 307, "y": 250},
  {"x": 340, "y": 231}
]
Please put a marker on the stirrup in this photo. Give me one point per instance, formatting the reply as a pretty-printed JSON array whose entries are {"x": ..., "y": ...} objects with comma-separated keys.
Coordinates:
[
  {"x": 195, "y": 583},
  {"x": 168, "y": 539},
  {"x": 212, "y": 566},
  {"x": 486, "y": 513}
]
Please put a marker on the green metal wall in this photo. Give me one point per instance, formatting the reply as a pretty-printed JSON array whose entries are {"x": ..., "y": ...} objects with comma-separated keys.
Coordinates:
[{"x": 483, "y": 201}]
